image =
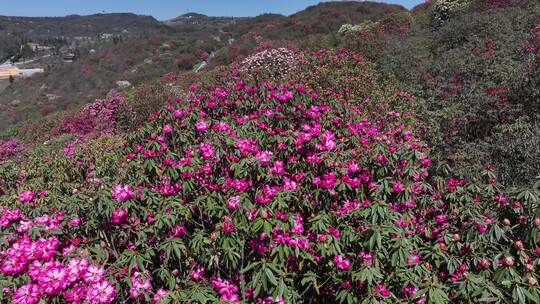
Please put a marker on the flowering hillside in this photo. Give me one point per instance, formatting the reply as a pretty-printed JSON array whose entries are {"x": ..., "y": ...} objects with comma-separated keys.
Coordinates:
[
  {"x": 291, "y": 176},
  {"x": 252, "y": 190}
]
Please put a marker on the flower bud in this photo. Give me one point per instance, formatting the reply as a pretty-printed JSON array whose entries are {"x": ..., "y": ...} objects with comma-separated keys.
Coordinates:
[
  {"x": 442, "y": 246},
  {"x": 506, "y": 222},
  {"x": 537, "y": 221},
  {"x": 508, "y": 261},
  {"x": 518, "y": 245},
  {"x": 484, "y": 263},
  {"x": 456, "y": 237},
  {"x": 532, "y": 281}
]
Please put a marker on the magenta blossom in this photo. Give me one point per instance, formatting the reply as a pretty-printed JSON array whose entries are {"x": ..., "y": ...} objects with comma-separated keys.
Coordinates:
[
  {"x": 202, "y": 126},
  {"x": 119, "y": 216},
  {"x": 167, "y": 129},
  {"x": 207, "y": 150},
  {"x": 101, "y": 293},
  {"x": 140, "y": 285},
  {"x": 342, "y": 262},
  {"x": 197, "y": 273},
  {"x": 178, "y": 231},
  {"x": 26, "y": 196},
  {"x": 122, "y": 193},
  {"x": 234, "y": 202},
  {"x": 27, "y": 294},
  {"x": 382, "y": 290},
  {"x": 159, "y": 295},
  {"x": 228, "y": 291}
]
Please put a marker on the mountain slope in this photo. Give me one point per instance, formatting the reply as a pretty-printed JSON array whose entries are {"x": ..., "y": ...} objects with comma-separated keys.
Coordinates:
[
  {"x": 304, "y": 175},
  {"x": 75, "y": 25},
  {"x": 194, "y": 21}
]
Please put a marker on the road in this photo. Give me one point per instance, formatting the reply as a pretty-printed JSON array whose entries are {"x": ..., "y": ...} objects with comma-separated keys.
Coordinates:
[{"x": 205, "y": 63}]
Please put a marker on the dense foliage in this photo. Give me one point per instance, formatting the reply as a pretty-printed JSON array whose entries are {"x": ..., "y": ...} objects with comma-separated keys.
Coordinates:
[
  {"x": 477, "y": 74},
  {"x": 260, "y": 191},
  {"x": 375, "y": 173}
]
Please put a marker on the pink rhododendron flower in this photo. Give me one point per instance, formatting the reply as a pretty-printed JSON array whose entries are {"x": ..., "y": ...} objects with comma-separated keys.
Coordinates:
[
  {"x": 122, "y": 193},
  {"x": 197, "y": 273},
  {"x": 26, "y": 196},
  {"x": 398, "y": 187},
  {"x": 341, "y": 262},
  {"x": 178, "y": 231},
  {"x": 139, "y": 285},
  {"x": 382, "y": 290},
  {"x": 228, "y": 225},
  {"x": 327, "y": 141},
  {"x": 101, "y": 293},
  {"x": 202, "y": 126},
  {"x": 178, "y": 113},
  {"x": 159, "y": 295},
  {"x": 228, "y": 291},
  {"x": 167, "y": 129},
  {"x": 233, "y": 202},
  {"x": 76, "y": 295},
  {"x": 74, "y": 222},
  {"x": 413, "y": 259},
  {"x": 264, "y": 157},
  {"x": 207, "y": 150},
  {"x": 278, "y": 168},
  {"x": 94, "y": 274},
  {"x": 119, "y": 216},
  {"x": 27, "y": 294}
]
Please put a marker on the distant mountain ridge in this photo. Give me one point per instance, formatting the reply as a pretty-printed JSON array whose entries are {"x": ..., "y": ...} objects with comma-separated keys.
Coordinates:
[
  {"x": 198, "y": 21},
  {"x": 75, "y": 25},
  {"x": 115, "y": 23}
]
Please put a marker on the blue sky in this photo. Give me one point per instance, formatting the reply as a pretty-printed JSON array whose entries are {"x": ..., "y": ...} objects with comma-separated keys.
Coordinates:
[{"x": 161, "y": 9}]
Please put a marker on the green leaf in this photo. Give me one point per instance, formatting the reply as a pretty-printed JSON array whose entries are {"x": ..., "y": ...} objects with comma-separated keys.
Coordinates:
[{"x": 271, "y": 276}]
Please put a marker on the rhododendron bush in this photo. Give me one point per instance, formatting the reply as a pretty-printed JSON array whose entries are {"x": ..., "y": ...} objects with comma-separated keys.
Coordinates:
[
  {"x": 10, "y": 148},
  {"x": 318, "y": 188},
  {"x": 474, "y": 74}
]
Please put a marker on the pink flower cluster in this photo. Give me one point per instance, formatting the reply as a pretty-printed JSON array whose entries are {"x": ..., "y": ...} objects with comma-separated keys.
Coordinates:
[
  {"x": 140, "y": 285},
  {"x": 75, "y": 280},
  {"x": 10, "y": 148},
  {"x": 119, "y": 216},
  {"x": 122, "y": 193},
  {"x": 227, "y": 290},
  {"x": 342, "y": 262},
  {"x": 97, "y": 118},
  {"x": 26, "y": 196}
]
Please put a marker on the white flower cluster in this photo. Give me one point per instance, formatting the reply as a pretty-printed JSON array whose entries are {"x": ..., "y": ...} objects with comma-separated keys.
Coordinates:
[
  {"x": 348, "y": 29},
  {"x": 444, "y": 9},
  {"x": 271, "y": 62}
]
